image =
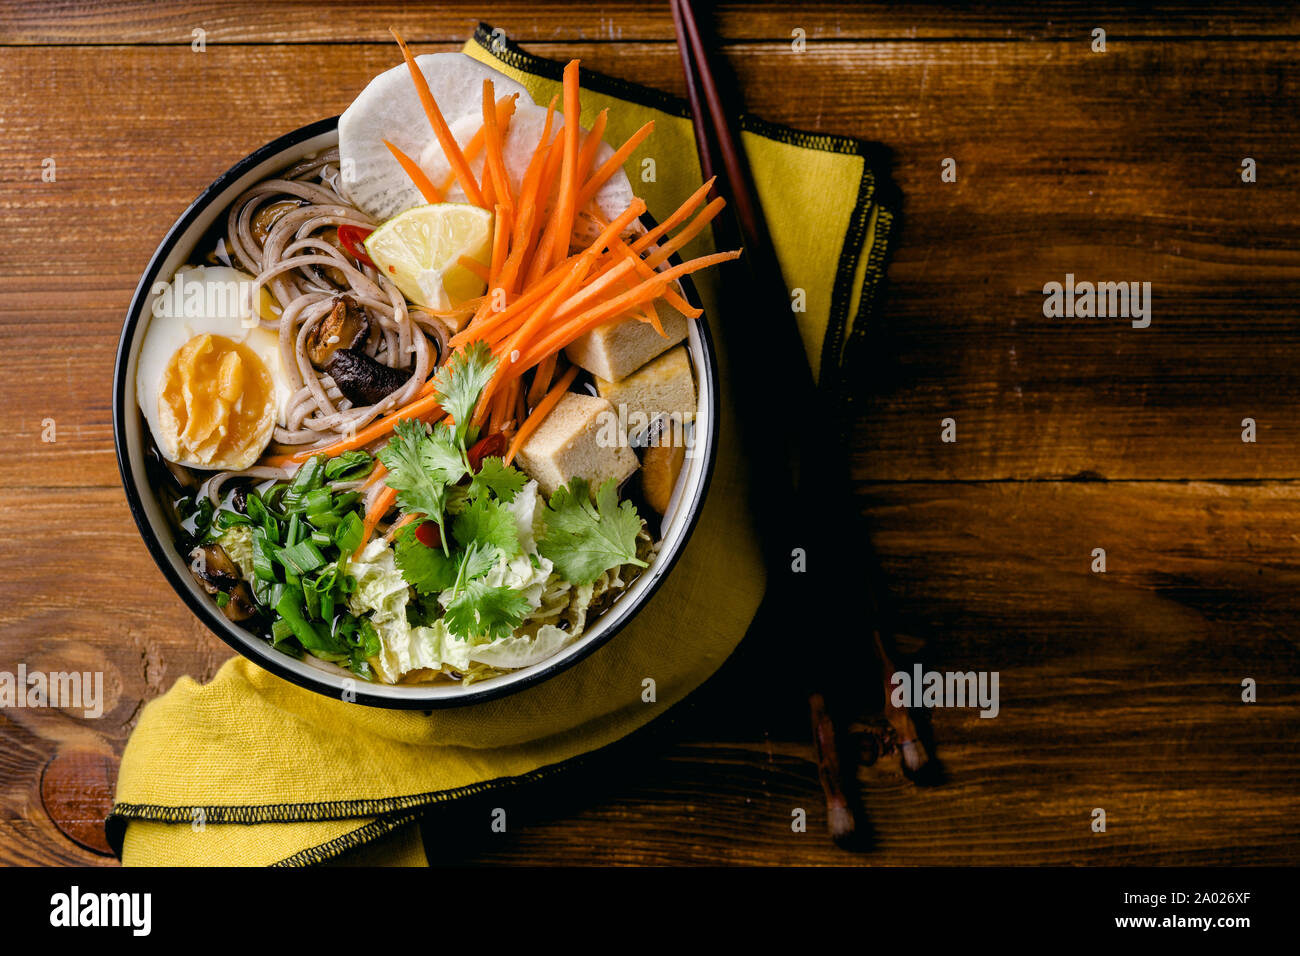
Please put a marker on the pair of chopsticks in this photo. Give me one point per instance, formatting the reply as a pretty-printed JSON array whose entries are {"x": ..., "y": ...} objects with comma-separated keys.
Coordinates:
[{"x": 794, "y": 436}]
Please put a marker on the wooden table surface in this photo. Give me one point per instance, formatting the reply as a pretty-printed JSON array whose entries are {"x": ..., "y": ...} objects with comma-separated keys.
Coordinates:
[{"x": 1119, "y": 690}]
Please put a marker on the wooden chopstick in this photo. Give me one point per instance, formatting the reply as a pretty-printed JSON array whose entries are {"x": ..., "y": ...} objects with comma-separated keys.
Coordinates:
[
  {"x": 721, "y": 141},
  {"x": 757, "y": 298},
  {"x": 756, "y": 291}
]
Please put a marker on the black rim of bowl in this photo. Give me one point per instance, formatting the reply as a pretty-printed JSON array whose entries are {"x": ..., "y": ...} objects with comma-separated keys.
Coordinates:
[{"x": 256, "y": 648}]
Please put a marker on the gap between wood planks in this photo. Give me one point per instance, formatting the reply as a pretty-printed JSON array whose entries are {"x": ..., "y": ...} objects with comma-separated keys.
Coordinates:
[
  {"x": 1082, "y": 479},
  {"x": 455, "y": 43}
]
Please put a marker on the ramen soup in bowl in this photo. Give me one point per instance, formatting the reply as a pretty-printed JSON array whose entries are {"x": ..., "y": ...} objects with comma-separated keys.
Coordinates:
[{"x": 416, "y": 407}]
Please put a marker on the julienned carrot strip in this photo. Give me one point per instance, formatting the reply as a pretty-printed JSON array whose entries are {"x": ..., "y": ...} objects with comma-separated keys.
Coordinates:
[
  {"x": 562, "y": 335},
  {"x": 598, "y": 285},
  {"x": 672, "y": 298},
  {"x": 538, "y": 259},
  {"x": 539, "y": 414},
  {"x": 496, "y": 420},
  {"x": 474, "y": 266},
  {"x": 514, "y": 261},
  {"x": 577, "y": 273},
  {"x": 518, "y": 242},
  {"x": 482, "y": 328},
  {"x": 500, "y": 240},
  {"x": 610, "y": 274},
  {"x": 686, "y": 234},
  {"x": 494, "y": 164},
  {"x": 506, "y": 320},
  {"x": 484, "y": 307},
  {"x": 505, "y": 109},
  {"x": 521, "y": 404},
  {"x": 383, "y": 502},
  {"x": 542, "y": 378},
  {"x": 494, "y": 329},
  {"x": 378, "y": 472},
  {"x": 611, "y": 165},
  {"x": 450, "y": 148},
  {"x": 589, "y": 147},
  {"x": 560, "y": 228},
  {"x": 526, "y": 221},
  {"x": 422, "y": 182},
  {"x": 608, "y": 236},
  {"x": 520, "y": 338},
  {"x": 499, "y": 246},
  {"x": 537, "y": 162},
  {"x": 679, "y": 215},
  {"x": 510, "y": 417},
  {"x": 422, "y": 406},
  {"x": 399, "y": 524}
]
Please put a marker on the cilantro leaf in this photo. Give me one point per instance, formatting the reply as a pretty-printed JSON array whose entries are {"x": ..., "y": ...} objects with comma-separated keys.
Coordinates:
[
  {"x": 498, "y": 478},
  {"x": 477, "y": 561},
  {"x": 431, "y": 571},
  {"x": 420, "y": 467},
  {"x": 426, "y": 569},
  {"x": 481, "y": 610},
  {"x": 442, "y": 454},
  {"x": 459, "y": 383},
  {"x": 583, "y": 540},
  {"x": 488, "y": 524}
]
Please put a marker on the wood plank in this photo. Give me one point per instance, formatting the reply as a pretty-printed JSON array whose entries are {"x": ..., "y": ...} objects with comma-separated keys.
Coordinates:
[
  {"x": 611, "y": 21},
  {"x": 1118, "y": 690},
  {"x": 1065, "y": 165}
]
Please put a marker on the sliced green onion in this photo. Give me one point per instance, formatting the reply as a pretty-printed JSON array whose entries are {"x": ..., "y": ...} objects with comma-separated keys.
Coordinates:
[
  {"x": 345, "y": 500},
  {"x": 289, "y": 608},
  {"x": 326, "y": 521},
  {"x": 263, "y": 556},
  {"x": 317, "y": 502},
  {"x": 349, "y": 533},
  {"x": 300, "y": 558},
  {"x": 369, "y": 643},
  {"x": 309, "y": 477},
  {"x": 349, "y": 466},
  {"x": 281, "y": 631},
  {"x": 311, "y": 598},
  {"x": 227, "y": 519}
]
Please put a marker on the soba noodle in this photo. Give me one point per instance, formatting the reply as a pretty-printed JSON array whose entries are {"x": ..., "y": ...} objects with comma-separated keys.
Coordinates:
[{"x": 299, "y": 264}]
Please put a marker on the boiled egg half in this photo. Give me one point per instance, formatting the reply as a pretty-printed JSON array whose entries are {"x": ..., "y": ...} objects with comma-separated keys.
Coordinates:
[{"x": 209, "y": 379}]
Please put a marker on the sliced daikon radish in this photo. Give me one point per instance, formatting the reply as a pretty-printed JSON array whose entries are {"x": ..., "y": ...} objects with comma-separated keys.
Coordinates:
[{"x": 389, "y": 108}]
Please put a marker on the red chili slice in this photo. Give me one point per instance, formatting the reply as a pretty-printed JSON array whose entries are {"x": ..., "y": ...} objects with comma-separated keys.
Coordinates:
[
  {"x": 428, "y": 535},
  {"x": 351, "y": 238},
  {"x": 486, "y": 447}
]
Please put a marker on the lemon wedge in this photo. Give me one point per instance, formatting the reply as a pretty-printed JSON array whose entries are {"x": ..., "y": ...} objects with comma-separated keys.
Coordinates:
[{"x": 420, "y": 251}]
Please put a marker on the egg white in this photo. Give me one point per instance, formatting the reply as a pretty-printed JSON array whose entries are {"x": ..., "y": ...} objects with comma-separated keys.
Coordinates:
[{"x": 212, "y": 300}]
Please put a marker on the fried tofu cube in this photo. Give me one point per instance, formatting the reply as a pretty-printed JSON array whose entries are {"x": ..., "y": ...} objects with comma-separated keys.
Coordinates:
[
  {"x": 616, "y": 349},
  {"x": 662, "y": 388},
  {"x": 581, "y": 437}
]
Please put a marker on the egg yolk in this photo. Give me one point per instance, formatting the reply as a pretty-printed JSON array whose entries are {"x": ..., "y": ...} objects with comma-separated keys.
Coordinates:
[{"x": 215, "y": 402}]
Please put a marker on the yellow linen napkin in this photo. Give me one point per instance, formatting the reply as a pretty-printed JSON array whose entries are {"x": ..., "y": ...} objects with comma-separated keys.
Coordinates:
[{"x": 252, "y": 770}]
